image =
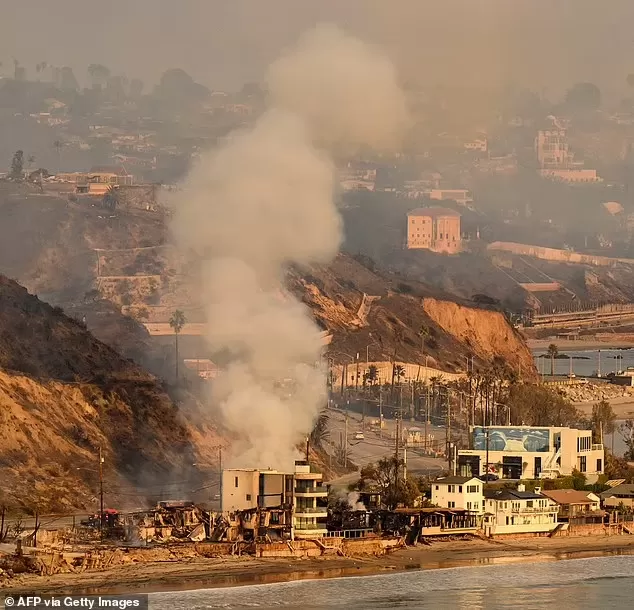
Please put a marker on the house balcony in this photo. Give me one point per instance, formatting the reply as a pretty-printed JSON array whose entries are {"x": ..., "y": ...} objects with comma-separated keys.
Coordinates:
[
  {"x": 311, "y": 492},
  {"x": 532, "y": 511},
  {"x": 319, "y": 511}
]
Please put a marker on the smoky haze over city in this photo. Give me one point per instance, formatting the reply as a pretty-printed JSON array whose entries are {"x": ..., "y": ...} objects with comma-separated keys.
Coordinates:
[
  {"x": 224, "y": 44},
  {"x": 289, "y": 280}
]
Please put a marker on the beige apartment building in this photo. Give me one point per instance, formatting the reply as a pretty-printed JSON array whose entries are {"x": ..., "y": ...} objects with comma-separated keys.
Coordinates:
[{"x": 436, "y": 229}]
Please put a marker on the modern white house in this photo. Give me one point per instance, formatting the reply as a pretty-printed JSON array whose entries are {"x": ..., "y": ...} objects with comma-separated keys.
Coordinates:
[
  {"x": 309, "y": 518},
  {"x": 246, "y": 489},
  {"x": 523, "y": 452},
  {"x": 464, "y": 493},
  {"x": 510, "y": 511},
  {"x": 299, "y": 494}
]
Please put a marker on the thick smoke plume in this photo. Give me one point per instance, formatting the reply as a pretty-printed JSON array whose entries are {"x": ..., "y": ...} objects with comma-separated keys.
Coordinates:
[{"x": 262, "y": 202}]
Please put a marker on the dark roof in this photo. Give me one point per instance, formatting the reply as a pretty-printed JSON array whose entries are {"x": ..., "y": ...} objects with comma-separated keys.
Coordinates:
[
  {"x": 433, "y": 211},
  {"x": 627, "y": 489},
  {"x": 510, "y": 494},
  {"x": 455, "y": 480}
]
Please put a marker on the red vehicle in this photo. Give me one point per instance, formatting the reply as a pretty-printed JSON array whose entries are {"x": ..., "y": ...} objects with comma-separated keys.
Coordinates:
[{"x": 110, "y": 519}]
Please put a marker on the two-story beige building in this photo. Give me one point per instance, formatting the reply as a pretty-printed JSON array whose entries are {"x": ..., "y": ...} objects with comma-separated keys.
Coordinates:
[{"x": 435, "y": 228}]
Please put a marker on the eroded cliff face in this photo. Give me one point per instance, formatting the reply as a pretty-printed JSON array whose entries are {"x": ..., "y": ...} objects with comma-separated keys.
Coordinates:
[
  {"x": 486, "y": 333},
  {"x": 64, "y": 395}
]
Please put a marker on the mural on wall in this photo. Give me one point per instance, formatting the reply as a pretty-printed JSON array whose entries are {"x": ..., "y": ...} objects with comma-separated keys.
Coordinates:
[{"x": 512, "y": 439}]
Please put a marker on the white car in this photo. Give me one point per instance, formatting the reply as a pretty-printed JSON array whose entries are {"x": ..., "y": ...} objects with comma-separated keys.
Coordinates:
[{"x": 358, "y": 436}]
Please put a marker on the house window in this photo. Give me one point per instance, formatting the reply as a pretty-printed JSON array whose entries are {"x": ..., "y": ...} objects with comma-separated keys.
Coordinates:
[
  {"x": 599, "y": 465},
  {"x": 459, "y": 489},
  {"x": 468, "y": 505},
  {"x": 236, "y": 481},
  {"x": 248, "y": 497},
  {"x": 472, "y": 489},
  {"x": 476, "y": 506},
  {"x": 451, "y": 504},
  {"x": 582, "y": 463},
  {"x": 437, "y": 488},
  {"x": 529, "y": 504},
  {"x": 451, "y": 489}
]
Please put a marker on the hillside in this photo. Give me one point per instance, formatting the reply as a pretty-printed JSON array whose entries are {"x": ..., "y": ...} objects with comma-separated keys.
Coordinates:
[
  {"x": 393, "y": 313},
  {"x": 98, "y": 265},
  {"x": 64, "y": 394}
]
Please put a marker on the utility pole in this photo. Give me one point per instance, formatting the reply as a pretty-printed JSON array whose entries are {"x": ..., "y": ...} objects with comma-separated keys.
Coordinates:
[
  {"x": 356, "y": 380},
  {"x": 100, "y": 495},
  {"x": 405, "y": 463},
  {"x": 220, "y": 472},
  {"x": 397, "y": 453},
  {"x": 380, "y": 413},
  {"x": 599, "y": 370},
  {"x": 345, "y": 459},
  {"x": 448, "y": 433}
]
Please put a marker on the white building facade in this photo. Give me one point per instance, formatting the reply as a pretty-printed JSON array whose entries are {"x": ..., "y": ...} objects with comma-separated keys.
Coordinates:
[
  {"x": 301, "y": 491},
  {"x": 309, "y": 515},
  {"x": 463, "y": 493},
  {"x": 510, "y": 511},
  {"x": 513, "y": 452}
]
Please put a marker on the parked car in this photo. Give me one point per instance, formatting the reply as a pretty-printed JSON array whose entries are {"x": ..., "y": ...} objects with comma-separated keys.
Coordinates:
[
  {"x": 489, "y": 477},
  {"x": 359, "y": 436}
]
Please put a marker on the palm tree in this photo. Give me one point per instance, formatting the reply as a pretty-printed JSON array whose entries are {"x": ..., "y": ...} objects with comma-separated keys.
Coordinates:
[
  {"x": 399, "y": 371},
  {"x": 58, "y": 145},
  {"x": 423, "y": 333},
  {"x": 372, "y": 375},
  {"x": 552, "y": 353},
  {"x": 177, "y": 321},
  {"x": 111, "y": 198}
]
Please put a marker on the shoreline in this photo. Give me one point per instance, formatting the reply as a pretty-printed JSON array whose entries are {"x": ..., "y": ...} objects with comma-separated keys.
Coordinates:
[
  {"x": 209, "y": 573},
  {"x": 578, "y": 345}
]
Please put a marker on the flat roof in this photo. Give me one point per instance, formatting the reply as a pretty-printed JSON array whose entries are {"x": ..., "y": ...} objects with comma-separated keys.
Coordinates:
[{"x": 433, "y": 211}]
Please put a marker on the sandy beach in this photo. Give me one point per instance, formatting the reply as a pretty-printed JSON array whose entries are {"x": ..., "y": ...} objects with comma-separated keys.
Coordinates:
[{"x": 201, "y": 573}]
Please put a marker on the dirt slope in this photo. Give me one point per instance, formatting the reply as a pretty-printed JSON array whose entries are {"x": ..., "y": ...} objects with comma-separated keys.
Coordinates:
[
  {"x": 395, "y": 312},
  {"x": 63, "y": 394},
  {"x": 64, "y": 246}
]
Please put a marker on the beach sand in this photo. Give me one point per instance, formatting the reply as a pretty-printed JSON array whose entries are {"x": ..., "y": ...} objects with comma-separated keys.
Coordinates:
[{"x": 200, "y": 573}]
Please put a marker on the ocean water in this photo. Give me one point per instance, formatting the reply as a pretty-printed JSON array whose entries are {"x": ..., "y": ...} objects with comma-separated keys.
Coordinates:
[
  {"x": 574, "y": 584},
  {"x": 585, "y": 362}
]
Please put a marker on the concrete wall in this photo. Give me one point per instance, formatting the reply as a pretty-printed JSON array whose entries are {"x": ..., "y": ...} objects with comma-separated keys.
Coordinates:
[
  {"x": 413, "y": 372},
  {"x": 552, "y": 254},
  {"x": 540, "y": 286},
  {"x": 236, "y": 486}
]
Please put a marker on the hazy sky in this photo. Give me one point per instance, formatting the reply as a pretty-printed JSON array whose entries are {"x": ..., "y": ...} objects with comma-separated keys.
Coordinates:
[{"x": 544, "y": 43}]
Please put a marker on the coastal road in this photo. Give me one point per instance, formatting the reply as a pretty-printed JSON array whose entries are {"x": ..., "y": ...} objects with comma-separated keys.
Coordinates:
[{"x": 376, "y": 445}]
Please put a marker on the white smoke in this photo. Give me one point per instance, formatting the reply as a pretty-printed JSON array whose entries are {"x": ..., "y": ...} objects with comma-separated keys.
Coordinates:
[
  {"x": 264, "y": 201},
  {"x": 345, "y": 89},
  {"x": 354, "y": 501}
]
